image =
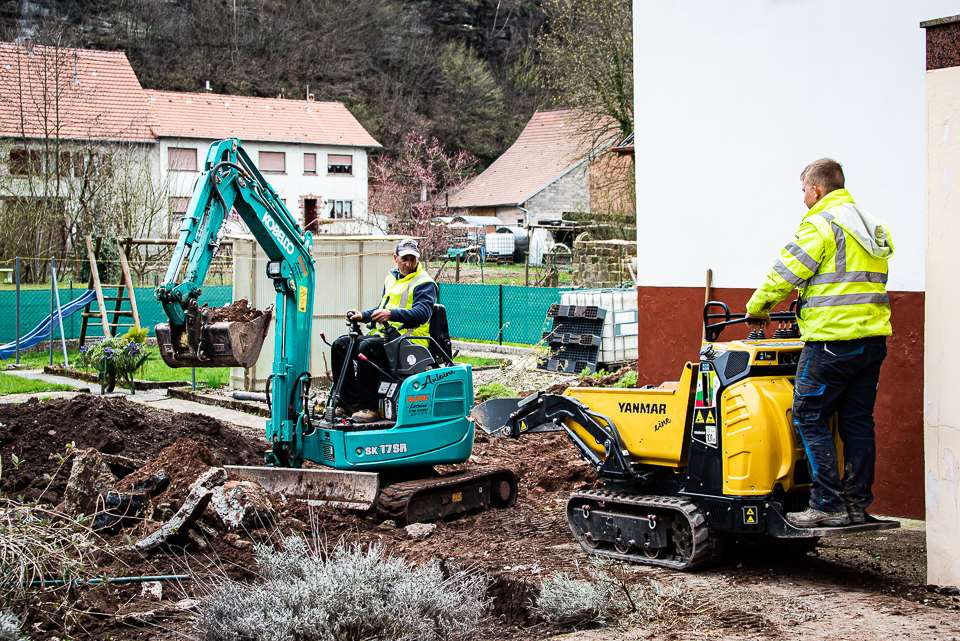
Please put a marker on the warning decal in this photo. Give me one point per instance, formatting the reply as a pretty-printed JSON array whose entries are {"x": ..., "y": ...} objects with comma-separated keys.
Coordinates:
[
  {"x": 705, "y": 416},
  {"x": 750, "y": 515}
]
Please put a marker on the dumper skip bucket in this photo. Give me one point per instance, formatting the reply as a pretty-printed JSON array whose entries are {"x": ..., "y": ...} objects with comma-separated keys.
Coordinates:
[{"x": 221, "y": 344}]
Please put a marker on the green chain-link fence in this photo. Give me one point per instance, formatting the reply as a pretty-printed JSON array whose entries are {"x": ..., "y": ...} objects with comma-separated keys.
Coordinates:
[{"x": 507, "y": 313}]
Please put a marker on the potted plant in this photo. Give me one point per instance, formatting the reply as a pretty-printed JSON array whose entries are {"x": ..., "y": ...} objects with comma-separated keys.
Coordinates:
[{"x": 117, "y": 358}]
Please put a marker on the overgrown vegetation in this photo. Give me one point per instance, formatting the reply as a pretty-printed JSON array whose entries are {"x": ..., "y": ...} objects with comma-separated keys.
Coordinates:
[
  {"x": 350, "y": 594},
  {"x": 9, "y": 627},
  {"x": 605, "y": 594}
]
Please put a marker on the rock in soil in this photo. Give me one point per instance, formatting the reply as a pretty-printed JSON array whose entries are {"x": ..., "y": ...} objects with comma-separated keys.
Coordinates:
[
  {"x": 420, "y": 531},
  {"x": 178, "y": 526},
  {"x": 241, "y": 504},
  {"x": 109, "y": 425},
  {"x": 89, "y": 477}
]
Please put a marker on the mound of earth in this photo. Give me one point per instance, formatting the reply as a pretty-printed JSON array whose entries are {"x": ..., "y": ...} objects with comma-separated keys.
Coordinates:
[
  {"x": 35, "y": 439},
  {"x": 238, "y": 310},
  {"x": 182, "y": 462}
]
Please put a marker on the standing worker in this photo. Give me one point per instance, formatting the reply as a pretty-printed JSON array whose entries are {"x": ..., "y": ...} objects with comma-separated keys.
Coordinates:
[
  {"x": 838, "y": 262},
  {"x": 407, "y": 301}
]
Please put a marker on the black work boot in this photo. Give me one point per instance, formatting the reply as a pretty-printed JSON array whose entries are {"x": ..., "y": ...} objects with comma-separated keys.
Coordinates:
[
  {"x": 812, "y": 517},
  {"x": 857, "y": 515}
]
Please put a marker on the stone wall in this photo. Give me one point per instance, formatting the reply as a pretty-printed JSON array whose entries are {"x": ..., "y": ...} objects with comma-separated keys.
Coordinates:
[
  {"x": 602, "y": 263},
  {"x": 570, "y": 193}
]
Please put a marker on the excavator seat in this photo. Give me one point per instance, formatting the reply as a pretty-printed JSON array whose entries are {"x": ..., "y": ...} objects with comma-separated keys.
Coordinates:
[{"x": 441, "y": 347}]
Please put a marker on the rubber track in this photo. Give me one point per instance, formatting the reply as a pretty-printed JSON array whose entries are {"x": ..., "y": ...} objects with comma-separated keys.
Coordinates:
[
  {"x": 703, "y": 544},
  {"x": 393, "y": 500}
]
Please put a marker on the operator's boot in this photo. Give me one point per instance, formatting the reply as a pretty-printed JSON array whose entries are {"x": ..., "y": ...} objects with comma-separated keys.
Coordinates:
[{"x": 812, "y": 517}]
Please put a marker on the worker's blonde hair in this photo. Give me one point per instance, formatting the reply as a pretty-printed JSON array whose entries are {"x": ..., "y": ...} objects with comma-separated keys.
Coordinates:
[{"x": 825, "y": 173}]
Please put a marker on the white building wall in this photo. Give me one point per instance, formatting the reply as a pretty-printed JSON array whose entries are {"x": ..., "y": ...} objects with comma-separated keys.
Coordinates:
[
  {"x": 735, "y": 97},
  {"x": 291, "y": 185}
]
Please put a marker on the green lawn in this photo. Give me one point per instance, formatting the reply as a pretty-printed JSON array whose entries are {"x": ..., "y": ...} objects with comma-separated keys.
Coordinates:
[
  {"x": 153, "y": 370},
  {"x": 12, "y": 384},
  {"x": 479, "y": 361}
]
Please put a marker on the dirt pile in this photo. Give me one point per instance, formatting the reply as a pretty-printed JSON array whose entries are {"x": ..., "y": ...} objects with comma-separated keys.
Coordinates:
[
  {"x": 586, "y": 381},
  {"x": 181, "y": 463},
  {"x": 35, "y": 438},
  {"x": 238, "y": 310}
]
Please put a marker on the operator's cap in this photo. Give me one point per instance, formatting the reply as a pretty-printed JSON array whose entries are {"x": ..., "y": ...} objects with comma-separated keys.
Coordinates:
[{"x": 408, "y": 247}]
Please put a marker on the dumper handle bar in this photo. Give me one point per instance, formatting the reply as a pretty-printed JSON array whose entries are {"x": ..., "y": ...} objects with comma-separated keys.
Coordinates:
[{"x": 712, "y": 330}]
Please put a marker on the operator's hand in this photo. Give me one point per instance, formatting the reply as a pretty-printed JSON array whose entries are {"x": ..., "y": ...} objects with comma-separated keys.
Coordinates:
[
  {"x": 757, "y": 320},
  {"x": 354, "y": 315},
  {"x": 381, "y": 315}
]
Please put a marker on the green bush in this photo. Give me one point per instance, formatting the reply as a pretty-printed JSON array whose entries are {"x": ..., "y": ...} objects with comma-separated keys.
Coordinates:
[
  {"x": 627, "y": 380},
  {"x": 117, "y": 358}
]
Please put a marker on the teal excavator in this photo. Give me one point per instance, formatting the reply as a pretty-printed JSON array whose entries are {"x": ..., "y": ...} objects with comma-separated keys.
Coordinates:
[{"x": 425, "y": 398}]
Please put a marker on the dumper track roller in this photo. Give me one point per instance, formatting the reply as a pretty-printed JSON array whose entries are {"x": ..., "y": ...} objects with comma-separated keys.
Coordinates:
[
  {"x": 664, "y": 531},
  {"x": 447, "y": 495}
]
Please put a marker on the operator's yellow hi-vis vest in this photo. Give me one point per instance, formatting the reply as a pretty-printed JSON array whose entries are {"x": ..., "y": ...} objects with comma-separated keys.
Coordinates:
[
  {"x": 398, "y": 293},
  {"x": 838, "y": 262}
]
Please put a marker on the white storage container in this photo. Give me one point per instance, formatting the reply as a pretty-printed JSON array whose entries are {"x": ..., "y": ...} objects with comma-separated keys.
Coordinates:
[
  {"x": 349, "y": 275},
  {"x": 620, "y": 328},
  {"x": 500, "y": 244}
]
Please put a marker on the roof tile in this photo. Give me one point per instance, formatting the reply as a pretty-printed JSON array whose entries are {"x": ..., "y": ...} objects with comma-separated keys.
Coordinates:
[
  {"x": 79, "y": 94},
  {"x": 548, "y": 146},
  {"x": 209, "y": 115}
]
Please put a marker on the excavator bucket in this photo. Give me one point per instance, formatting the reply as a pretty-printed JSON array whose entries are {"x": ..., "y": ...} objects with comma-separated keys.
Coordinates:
[
  {"x": 318, "y": 486},
  {"x": 493, "y": 416},
  {"x": 220, "y": 344}
]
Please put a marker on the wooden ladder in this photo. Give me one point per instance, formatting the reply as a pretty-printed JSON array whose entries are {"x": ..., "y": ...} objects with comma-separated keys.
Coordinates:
[{"x": 124, "y": 291}]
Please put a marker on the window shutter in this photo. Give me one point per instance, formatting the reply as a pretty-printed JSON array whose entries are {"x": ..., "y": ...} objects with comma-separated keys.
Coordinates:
[
  {"x": 273, "y": 161},
  {"x": 182, "y": 159},
  {"x": 309, "y": 163}
]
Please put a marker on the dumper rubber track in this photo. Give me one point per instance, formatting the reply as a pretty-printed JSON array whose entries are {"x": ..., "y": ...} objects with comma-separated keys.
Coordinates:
[
  {"x": 607, "y": 523},
  {"x": 447, "y": 495}
]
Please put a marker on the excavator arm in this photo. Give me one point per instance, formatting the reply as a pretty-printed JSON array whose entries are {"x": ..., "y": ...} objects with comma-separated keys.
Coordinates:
[{"x": 194, "y": 338}]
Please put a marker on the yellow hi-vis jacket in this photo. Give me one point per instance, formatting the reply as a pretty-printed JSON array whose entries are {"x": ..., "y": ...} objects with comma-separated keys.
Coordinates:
[
  {"x": 838, "y": 262},
  {"x": 398, "y": 293}
]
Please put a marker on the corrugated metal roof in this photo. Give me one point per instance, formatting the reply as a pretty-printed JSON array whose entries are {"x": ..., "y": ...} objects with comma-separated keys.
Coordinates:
[
  {"x": 70, "y": 94},
  {"x": 209, "y": 115},
  {"x": 548, "y": 147}
]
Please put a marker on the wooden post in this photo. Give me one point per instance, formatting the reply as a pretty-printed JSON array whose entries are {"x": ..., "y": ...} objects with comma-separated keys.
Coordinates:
[
  {"x": 125, "y": 268},
  {"x": 457, "y": 280},
  {"x": 95, "y": 275}
]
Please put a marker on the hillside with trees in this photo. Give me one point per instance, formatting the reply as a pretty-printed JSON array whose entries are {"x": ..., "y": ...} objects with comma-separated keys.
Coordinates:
[{"x": 466, "y": 72}]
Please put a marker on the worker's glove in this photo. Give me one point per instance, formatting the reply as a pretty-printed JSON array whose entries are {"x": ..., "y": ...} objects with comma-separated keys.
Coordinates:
[{"x": 757, "y": 319}]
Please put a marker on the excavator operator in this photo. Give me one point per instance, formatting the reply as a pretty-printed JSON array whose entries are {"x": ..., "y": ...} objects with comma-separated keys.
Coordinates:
[{"x": 409, "y": 295}]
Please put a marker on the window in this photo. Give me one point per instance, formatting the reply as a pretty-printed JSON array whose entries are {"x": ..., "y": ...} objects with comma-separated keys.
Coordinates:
[
  {"x": 273, "y": 162},
  {"x": 24, "y": 162},
  {"x": 310, "y": 164},
  {"x": 182, "y": 159},
  {"x": 341, "y": 209},
  {"x": 340, "y": 164},
  {"x": 178, "y": 206}
]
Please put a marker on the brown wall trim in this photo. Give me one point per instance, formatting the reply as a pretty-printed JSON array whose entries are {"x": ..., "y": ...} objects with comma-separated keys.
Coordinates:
[
  {"x": 943, "y": 43},
  {"x": 670, "y": 331}
]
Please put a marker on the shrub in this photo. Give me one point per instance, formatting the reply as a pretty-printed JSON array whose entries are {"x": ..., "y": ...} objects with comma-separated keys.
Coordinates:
[
  {"x": 605, "y": 594},
  {"x": 117, "y": 357},
  {"x": 627, "y": 380},
  {"x": 10, "y": 627},
  {"x": 353, "y": 594}
]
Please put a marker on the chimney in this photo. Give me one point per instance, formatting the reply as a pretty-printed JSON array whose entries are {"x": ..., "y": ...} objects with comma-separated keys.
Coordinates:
[{"x": 207, "y": 86}]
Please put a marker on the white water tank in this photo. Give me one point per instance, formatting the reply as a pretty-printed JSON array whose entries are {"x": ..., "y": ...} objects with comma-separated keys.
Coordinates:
[
  {"x": 620, "y": 328},
  {"x": 500, "y": 244}
]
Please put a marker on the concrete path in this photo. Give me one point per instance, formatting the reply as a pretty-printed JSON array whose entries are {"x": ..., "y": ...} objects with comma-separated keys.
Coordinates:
[{"x": 152, "y": 398}]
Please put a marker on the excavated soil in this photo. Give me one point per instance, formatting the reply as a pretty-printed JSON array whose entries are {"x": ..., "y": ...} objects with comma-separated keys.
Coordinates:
[
  {"x": 35, "y": 439},
  {"x": 850, "y": 584},
  {"x": 181, "y": 462},
  {"x": 238, "y": 310}
]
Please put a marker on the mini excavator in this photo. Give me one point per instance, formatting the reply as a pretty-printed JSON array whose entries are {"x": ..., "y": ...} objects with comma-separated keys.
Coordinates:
[
  {"x": 425, "y": 398},
  {"x": 688, "y": 465}
]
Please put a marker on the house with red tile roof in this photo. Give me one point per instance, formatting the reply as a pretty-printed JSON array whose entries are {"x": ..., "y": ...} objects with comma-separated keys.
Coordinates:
[
  {"x": 550, "y": 169},
  {"x": 313, "y": 153},
  {"x": 78, "y": 107}
]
